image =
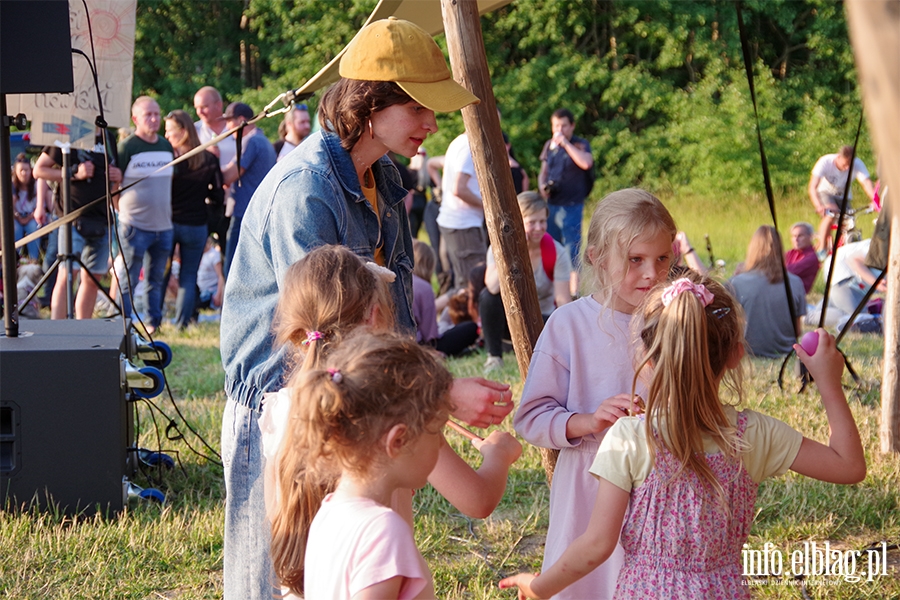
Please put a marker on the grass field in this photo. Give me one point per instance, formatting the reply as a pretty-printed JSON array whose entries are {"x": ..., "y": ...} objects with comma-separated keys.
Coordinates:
[{"x": 175, "y": 550}]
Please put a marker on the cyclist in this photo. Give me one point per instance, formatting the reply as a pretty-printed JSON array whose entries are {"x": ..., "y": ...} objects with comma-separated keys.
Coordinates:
[{"x": 826, "y": 188}]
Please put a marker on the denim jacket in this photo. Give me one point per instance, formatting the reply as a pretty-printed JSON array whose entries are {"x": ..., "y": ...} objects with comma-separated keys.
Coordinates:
[{"x": 310, "y": 198}]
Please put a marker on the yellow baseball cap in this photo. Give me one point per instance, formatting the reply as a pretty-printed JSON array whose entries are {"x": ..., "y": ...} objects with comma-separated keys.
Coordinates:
[{"x": 402, "y": 52}]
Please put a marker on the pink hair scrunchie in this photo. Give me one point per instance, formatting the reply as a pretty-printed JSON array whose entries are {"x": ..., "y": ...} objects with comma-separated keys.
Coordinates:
[
  {"x": 312, "y": 336},
  {"x": 686, "y": 285}
]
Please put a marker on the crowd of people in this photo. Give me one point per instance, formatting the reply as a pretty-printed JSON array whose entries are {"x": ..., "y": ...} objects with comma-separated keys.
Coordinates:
[
  {"x": 164, "y": 223},
  {"x": 332, "y": 337}
]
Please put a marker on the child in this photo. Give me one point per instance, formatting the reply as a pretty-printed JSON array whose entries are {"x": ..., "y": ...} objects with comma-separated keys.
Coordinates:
[
  {"x": 453, "y": 341},
  {"x": 329, "y": 293},
  {"x": 370, "y": 418},
  {"x": 582, "y": 365},
  {"x": 683, "y": 477}
]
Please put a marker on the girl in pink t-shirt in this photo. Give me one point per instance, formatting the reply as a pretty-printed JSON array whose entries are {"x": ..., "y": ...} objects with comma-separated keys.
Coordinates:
[
  {"x": 678, "y": 484},
  {"x": 329, "y": 294},
  {"x": 369, "y": 418}
]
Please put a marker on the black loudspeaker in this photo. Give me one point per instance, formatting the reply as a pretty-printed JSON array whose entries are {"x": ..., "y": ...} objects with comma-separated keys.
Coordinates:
[
  {"x": 65, "y": 424},
  {"x": 35, "y": 47}
]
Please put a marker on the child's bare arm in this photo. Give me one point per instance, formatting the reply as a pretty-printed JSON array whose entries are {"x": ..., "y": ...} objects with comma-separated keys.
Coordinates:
[
  {"x": 842, "y": 460},
  {"x": 383, "y": 590},
  {"x": 586, "y": 553},
  {"x": 476, "y": 493}
]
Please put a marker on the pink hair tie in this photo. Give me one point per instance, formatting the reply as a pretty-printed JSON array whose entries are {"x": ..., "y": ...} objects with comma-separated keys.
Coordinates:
[
  {"x": 335, "y": 375},
  {"x": 686, "y": 285},
  {"x": 312, "y": 336}
]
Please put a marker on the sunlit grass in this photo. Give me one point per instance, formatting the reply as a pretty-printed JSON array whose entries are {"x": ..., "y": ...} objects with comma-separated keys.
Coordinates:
[{"x": 176, "y": 551}]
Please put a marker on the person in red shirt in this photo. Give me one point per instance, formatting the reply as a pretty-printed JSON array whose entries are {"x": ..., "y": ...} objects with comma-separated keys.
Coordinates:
[{"x": 801, "y": 260}]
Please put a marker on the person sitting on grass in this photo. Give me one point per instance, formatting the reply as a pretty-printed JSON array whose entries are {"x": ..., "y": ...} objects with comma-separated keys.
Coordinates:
[
  {"x": 801, "y": 260},
  {"x": 552, "y": 270},
  {"x": 451, "y": 342},
  {"x": 760, "y": 290}
]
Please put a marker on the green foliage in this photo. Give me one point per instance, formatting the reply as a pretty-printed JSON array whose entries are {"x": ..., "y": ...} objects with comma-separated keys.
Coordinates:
[
  {"x": 658, "y": 88},
  {"x": 181, "y": 46}
]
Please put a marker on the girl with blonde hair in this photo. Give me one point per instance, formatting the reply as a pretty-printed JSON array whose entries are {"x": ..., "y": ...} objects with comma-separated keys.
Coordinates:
[
  {"x": 579, "y": 382},
  {"x": 370, "y": 418},
  {"x": 679, "y": 482},
  {"x": 328, "y": 295}
]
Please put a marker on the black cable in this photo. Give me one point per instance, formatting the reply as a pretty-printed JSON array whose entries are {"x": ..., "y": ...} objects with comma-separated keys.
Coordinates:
[
  {"x": 770, "y": 196},
  {"x": 101, "y": 122}
]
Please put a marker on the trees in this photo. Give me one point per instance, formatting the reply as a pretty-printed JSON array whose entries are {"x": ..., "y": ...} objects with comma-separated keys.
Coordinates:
[{"x": 657, "y": 87}]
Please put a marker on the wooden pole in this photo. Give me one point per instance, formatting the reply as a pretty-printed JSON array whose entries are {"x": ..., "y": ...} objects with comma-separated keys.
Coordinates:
[
  {"x": 875, "y": 34},
  {"x": 504, "y": 221}
]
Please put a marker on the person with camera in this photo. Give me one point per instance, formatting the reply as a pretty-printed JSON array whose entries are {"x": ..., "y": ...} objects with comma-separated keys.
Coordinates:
[
  {"x": 565, "y": 181},
  {"x": 90, "y": 232}
]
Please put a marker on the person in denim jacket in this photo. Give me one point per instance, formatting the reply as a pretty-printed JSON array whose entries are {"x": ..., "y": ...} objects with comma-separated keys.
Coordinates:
[{"x": 338, "y": 187}]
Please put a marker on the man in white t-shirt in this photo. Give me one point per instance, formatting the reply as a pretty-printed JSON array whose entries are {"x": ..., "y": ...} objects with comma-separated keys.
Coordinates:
[
  {"x": 826, "y": 187},
  {"x": 461, "y": 220}
]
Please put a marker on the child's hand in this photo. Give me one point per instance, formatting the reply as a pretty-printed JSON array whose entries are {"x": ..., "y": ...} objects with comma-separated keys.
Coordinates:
[
  {"x": 827, "y": 365},
  {"x": 620, "y": 405},
  {"x": 521, "y": 581},
  {"x": 500, "y": 445}
]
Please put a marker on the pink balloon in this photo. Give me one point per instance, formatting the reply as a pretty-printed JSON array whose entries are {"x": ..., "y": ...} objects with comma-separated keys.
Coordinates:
[{"x": 809, "y": 342}]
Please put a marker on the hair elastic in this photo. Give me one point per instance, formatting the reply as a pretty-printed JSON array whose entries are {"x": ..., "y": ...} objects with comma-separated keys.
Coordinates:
[
  {"x": 382, "y": 273},
  {"x": 335, "y": 375},
  {"x": 686, "y": 285},
  {"x": 312, "y": 336}
]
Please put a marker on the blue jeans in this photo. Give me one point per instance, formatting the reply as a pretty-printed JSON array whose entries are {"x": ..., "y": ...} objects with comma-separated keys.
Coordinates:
[
  {"x": 231, "y": 242},
  {"x": 191, "y": 240},
  {"x": 157, "y": 246},
  {"x": 247, "y": 568},
  {"x": 564, "y": 226},
  {"x": 21, "y": 231}
]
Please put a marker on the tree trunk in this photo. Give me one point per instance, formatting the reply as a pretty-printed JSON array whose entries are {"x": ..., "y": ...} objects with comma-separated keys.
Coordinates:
[
  {"x": 875, "y": 34},
  {"x": 505, "y": 227}
]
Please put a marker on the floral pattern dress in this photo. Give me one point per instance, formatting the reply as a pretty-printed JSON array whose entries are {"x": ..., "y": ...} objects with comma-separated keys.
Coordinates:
[{"x": 679, "y": 543}]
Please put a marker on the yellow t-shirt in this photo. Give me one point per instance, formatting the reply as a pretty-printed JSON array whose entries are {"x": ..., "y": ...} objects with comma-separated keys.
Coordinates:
[
  {"x": 371, "y": 195},
  {"x": 624, "y": 456}
]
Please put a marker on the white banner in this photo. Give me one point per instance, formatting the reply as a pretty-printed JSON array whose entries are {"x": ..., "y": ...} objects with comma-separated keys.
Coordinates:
[{"x": 70, "y": 117}]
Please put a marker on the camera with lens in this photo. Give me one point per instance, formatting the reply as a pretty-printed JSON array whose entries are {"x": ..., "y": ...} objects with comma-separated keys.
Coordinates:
[{"x": 551, "y": 187}]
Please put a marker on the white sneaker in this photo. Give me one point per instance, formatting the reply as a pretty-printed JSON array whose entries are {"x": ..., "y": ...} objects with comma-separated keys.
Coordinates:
[{"x": 493, "y": 363}]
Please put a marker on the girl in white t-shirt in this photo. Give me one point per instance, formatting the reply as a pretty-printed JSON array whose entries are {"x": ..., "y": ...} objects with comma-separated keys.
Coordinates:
[
  {"x": 327, "y": 295},
  {"x": 579, "y": 381},
  {"x": 679, "y": 482}
]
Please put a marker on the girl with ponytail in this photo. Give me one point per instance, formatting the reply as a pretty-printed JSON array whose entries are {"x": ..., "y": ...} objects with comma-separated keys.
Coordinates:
[
  {"x": 679, "y": 481},
  {"x": 328, "y": 295},
  {"x": 369, "y": 417}
]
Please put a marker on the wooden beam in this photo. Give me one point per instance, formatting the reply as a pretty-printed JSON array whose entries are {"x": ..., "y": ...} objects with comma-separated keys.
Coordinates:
[
  {"x": 875, "y": 34},
  {"x": 504, "y": 221}
]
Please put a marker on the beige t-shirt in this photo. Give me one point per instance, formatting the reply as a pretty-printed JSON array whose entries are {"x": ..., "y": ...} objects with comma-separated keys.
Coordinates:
[{"x": 624, "y": 456}]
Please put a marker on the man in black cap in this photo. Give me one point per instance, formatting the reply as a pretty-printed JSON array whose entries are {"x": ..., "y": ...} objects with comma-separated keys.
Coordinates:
[{"x": 257, "y": 157}]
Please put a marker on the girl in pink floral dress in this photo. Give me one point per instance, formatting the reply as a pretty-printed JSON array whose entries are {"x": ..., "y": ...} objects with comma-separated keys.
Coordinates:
[{"x": 679, "y": 482}]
